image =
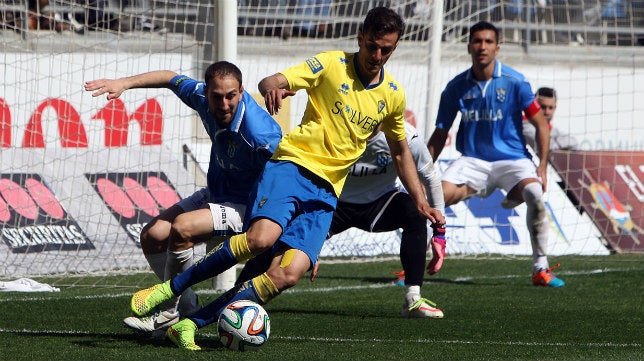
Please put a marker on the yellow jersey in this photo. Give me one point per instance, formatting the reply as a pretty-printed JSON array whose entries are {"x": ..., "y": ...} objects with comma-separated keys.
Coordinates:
[{"x": 341, "y": 113}]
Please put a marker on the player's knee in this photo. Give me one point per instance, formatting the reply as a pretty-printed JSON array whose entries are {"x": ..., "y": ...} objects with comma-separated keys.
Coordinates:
[
  {"x": 292, "y": 266},
  {"x": 262, "y": 235},
  {"x": 455, "y": 193},
  {"x": 182, "y": 231},
  {"x": 258, "y": 244},
  {"x": 284, "y": 278},
  {"x": 289, "y": 280},
  {"x": 154, "y": 239}
]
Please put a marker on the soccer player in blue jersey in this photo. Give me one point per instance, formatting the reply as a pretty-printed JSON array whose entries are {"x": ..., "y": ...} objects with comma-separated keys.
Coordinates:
[
  {"x": 244, "y": 136},
  {"x": 350, "y": 94},
  {"x": 491, "y": 98}
]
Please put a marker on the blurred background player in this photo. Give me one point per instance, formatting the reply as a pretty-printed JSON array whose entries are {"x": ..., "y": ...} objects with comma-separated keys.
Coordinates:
[
  {"x": 547, "y": 98},
  {"x": 243, "y": 135},
  {"x": 373, "y": 201},
  {"x": 491, "y": 98},
  {"x": 350, "y": 94}
]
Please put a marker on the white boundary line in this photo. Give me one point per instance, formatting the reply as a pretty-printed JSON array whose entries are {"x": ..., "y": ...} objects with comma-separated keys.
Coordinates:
[
  {"x": 323, "y": 289},
  {"x": 352, "y": 340},
  {"x": 25, "y": 331}
]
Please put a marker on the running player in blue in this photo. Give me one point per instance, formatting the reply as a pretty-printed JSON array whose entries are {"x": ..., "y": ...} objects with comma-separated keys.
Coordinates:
[
  {"x": 244, "y": 137},
  {"x": 350, "y": 94},
  {"x": 491, "y": 98}
]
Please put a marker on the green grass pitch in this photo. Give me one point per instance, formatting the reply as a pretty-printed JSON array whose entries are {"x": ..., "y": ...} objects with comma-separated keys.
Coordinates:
[{"x": 351, "y": 312}]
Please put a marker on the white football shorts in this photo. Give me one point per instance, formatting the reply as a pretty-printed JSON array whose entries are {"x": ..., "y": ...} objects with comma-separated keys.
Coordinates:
[
  {"x": 485, "y": 177},
  {"x": 227, "y": 218}
]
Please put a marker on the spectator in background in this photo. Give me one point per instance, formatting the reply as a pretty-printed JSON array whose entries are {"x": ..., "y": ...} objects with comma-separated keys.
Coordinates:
[
  {"x": 250, "y": 26},
  {"x": 40, "y": 18},
  {"x": 96, "y": 17},
  {"x": 567, "y": 12},
  {"x": 143, "y": 21},
  {"x": 307, "y": 8},
  {"x": 99, "y": 16},
  {"x": 547, "y": 98}
]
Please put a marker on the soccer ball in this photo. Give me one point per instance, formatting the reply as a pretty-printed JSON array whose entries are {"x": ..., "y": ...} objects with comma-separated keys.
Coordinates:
[{"x": 243, "y": 326}]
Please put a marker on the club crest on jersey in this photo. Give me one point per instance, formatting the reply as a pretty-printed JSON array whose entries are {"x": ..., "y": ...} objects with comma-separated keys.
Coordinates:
[
  {"x": 232, "y": 148},
  {"x": 381, "y": 105},
  {"x": 383, "y": 159},
  {"x": 344, "y": 89},
  {"x": 314, "y": 64},
  {"x": 500, "y": 94}
]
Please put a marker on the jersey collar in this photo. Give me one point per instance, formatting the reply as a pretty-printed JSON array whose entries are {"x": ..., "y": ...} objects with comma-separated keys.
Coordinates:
[
  {"x": 498, "y": 67},
  {"x": 357, "y": 70},
  {"x": 235, "y": 124}
]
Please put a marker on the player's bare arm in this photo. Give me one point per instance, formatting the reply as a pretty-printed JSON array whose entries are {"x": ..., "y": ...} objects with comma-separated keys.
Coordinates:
[
  {"x": 274, "y": 88},
  {"x": 115, "y": 87},
  {"x": 406, "y": 170},
  {"x": 437, "y": 142},
  {"x": 543, "y": 145}
]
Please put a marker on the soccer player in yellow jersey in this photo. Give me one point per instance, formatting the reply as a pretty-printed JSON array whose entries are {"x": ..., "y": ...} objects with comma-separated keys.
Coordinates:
[{"x": 292, "y": 207}]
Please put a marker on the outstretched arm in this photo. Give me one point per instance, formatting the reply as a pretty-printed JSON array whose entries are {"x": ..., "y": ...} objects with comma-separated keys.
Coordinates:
[
  {"x": 115, "y": 87},
  {"x": 274, "y": 88}
]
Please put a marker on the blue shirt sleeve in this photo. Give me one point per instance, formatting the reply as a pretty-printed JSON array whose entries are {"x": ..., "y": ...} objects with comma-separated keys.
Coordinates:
[{"x": 189, "y": 90}]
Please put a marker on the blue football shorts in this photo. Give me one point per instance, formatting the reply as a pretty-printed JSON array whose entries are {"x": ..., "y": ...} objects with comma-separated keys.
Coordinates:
[{"x": 299, "y": 201}]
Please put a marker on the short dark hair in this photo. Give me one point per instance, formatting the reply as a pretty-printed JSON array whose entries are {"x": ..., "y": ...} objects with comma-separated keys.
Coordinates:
[
  {"x": 381, "y": 20},
  {"x": 223, "y": 68},
  {"x": 546, "y": 92},
  {"x": 484, "y": 25}
]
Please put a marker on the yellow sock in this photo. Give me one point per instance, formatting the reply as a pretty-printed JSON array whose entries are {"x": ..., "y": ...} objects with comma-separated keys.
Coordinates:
[
  {"x": 265, "y": 287},
  {"x": 239, "y": 247}
]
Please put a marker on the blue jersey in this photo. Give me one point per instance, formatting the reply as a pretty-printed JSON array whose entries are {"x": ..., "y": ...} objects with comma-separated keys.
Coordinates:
[
  {"x": 240, "y": 151},
  {"x": 491, "y": 125}
]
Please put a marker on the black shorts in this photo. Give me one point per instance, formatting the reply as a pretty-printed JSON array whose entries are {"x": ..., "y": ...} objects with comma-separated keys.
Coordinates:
[{"x": 388, "y": 213}]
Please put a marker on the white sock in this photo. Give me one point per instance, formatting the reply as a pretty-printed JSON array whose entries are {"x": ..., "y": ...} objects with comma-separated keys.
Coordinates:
[
  {"x": 177, "y": 262},
  {"x": 157, "y": 262},
  {"x": 412, "y": 293},
  {"x": 537, "y": 222}
]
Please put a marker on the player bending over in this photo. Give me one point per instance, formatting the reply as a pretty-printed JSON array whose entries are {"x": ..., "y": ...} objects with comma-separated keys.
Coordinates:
[{"x": 243, "y": 136}]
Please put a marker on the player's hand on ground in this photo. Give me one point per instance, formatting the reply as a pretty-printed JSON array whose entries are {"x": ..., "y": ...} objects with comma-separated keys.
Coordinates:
[
  {"x": 273, "y": 99},
  {"x": 113, "y": 87}
]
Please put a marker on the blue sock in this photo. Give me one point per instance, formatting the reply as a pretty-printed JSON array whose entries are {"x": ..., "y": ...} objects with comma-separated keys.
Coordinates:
[
  {"x": 210, "y": 313},
  {"x": 215, "y": 262}
]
